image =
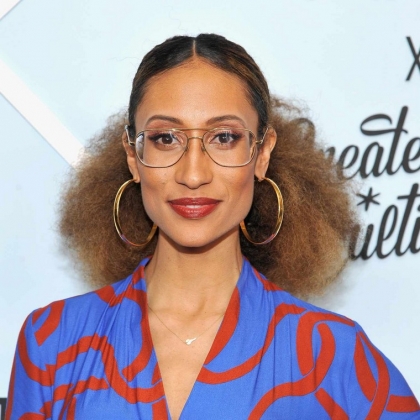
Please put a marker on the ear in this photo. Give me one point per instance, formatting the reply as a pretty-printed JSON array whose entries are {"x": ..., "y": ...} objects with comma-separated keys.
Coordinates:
[
  {"x": 264, "y": 153},
  {"x": 131, "y": 158}
]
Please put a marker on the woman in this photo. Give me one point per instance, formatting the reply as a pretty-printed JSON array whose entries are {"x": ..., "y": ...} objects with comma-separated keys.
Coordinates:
[{"x": 196, "y": 332}]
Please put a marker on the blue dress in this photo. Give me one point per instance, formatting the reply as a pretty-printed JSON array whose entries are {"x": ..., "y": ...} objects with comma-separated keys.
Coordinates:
[{"x": 274, "y": 357}]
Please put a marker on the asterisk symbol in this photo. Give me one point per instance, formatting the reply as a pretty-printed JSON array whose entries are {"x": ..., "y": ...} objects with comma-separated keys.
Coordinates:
[{"x": 368, "y": 199}]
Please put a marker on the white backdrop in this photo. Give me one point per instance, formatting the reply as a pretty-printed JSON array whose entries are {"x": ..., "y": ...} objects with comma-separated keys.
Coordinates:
[{"x": 66, "y": 66}]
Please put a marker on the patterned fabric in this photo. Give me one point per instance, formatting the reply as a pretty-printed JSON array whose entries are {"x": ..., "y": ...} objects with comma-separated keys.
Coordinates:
[{"x": 274, "y": 357}]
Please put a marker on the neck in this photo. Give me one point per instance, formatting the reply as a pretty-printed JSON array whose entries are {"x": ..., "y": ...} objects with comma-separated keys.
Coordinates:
[{"x": 193, "y": 281}]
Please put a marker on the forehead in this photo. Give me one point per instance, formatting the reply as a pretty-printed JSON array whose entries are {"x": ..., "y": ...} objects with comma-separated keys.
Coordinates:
[{"x": 194, "y": 93}]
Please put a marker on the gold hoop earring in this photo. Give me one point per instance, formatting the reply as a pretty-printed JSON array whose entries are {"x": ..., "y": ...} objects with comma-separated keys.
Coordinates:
[
  {"x": 279, "y": 221},
  {"x": 117, "y": 223}
]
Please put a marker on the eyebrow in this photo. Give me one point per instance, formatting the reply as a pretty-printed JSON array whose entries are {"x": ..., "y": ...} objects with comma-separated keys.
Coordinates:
[{"x": 213, "y": 120}]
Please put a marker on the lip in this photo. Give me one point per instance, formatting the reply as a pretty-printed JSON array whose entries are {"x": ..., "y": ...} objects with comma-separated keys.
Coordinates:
[{"x": 193, "y": 207}]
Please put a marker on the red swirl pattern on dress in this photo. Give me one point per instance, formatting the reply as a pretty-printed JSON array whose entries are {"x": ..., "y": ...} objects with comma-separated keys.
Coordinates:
[
  {"x": 334, "y": 410},
  {"x": 209, "y": 377},
  {"x": 309, "y": 383},
  {"x": 94, "y": 342},
  {"x": 314, "y": 361}
]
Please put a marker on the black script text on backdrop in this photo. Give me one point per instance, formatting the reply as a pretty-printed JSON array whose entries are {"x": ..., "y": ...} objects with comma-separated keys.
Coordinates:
[
  {"x": 382, "y": 163},
  {"x": 416, "y": 56},
  {"x": 386, "y": 157},
  {"x": 389, "y": 222}
]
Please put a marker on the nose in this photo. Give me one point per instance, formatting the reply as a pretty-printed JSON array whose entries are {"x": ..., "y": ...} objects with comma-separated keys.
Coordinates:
[
  {"x": 201, "y": 143},
  {"x": 194, "y": 168}
]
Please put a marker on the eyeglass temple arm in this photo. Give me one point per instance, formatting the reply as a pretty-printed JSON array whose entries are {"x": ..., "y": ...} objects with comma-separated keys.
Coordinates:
[
  {"x": 127, "y": 132},
  {"x": 263, "y": 137}
]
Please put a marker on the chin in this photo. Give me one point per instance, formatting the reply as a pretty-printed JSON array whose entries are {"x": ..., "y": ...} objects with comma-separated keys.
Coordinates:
[{"x": 196, "y": 242}]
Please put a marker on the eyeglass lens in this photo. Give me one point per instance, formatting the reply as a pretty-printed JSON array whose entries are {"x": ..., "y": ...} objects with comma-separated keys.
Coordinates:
[{"x": 226, "y": 147}]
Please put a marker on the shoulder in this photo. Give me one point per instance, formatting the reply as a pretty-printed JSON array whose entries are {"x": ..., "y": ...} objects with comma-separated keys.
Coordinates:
[
  {"x": 307, "y": 313},
  {"x": 65, "y": 321},
  {"x": 329, "y": 346},
  {"x": 317, "y": 332},
  {"x": 311, "y": 331},
  {"x": 88, "y": 304}
]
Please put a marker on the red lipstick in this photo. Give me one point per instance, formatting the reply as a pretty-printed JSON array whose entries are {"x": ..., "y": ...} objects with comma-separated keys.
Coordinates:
[{"x": 193, "y": 207}]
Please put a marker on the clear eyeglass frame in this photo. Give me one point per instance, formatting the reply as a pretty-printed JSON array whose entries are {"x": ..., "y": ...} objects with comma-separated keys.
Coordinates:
[{"x": 201, "y": 138}]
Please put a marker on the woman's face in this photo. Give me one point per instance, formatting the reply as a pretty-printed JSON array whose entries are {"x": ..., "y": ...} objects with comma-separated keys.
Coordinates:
[{"x": 196, "y": 202}]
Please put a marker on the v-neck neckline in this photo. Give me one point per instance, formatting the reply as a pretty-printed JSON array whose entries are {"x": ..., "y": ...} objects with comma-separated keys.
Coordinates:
[{"x": 221, "y": 338}]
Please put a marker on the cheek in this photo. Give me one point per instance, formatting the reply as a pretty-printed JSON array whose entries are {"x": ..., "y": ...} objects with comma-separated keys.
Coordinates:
[
  {"x": 152, "y": 188},
  {"x": 242, "y": 193}
]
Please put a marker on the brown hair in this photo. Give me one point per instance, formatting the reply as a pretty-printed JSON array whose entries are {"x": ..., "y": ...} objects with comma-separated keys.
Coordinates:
[{"x": 319, "y": 224}]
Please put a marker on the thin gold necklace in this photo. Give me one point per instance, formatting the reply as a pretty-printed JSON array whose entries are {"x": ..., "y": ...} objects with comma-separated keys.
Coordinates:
[{"x": 188, "y": 341}]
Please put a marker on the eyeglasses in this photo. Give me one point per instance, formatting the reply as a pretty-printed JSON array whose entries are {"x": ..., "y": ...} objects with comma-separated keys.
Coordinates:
[{"x": 161, "y": 148}]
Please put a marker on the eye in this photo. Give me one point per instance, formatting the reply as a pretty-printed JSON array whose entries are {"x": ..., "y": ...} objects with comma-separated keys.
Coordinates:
[
  {"x": 226, "y": 137},
  {"x": 165, "y": 138}
]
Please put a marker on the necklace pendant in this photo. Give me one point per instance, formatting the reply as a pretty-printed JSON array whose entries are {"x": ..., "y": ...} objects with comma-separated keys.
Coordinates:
[{"x": 188, "y": 341}]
